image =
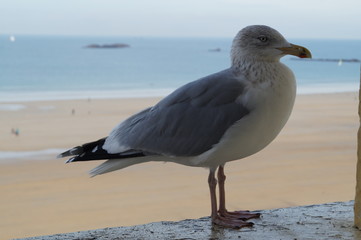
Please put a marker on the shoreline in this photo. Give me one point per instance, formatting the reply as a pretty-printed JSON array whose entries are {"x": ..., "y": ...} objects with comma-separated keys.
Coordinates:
[
  {"x": 41, "y": 96},
  {"x": 36, "y": 96}
]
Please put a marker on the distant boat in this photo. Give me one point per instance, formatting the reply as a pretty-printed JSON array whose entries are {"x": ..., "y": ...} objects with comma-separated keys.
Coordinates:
[
  {"x": 214, "y": 50},
  {"x": 12, "y": 38},
  {"x": 340, "y": 63}
]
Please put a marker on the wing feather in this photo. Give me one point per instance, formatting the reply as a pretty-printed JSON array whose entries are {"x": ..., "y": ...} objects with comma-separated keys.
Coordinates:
[{"x": 186, "y": 123}]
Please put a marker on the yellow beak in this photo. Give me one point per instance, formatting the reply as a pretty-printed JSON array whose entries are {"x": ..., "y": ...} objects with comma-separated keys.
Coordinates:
[{"x": 297, "y": 51}]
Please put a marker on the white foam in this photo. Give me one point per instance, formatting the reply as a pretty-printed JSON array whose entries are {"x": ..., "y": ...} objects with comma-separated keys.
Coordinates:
[
  {"x": 11, "y": 156},
  {"x": 11, "y": 107},
  {"x": 76, "y": 95},
  {"x": 46, "y": 108},
  {"x": 13, "y": 97},
  {"x": 329, "y": 88}
]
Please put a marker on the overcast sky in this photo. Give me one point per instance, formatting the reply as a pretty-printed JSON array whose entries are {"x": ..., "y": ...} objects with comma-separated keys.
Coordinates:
[{"x": 181, "y": 18}]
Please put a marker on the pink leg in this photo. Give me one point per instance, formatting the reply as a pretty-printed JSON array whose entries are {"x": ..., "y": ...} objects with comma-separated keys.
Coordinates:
[
  {"x": 216, "y": 217},
  {"x": 244, "y": 215},
  {"x": 212, "y": 182}
]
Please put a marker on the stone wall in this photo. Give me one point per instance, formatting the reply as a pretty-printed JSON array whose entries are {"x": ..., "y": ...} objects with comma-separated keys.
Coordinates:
[{"x": 326, "y": 221}]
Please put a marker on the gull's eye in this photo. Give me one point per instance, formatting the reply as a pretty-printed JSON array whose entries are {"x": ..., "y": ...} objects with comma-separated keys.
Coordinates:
[{"x": 263, "y": 38}]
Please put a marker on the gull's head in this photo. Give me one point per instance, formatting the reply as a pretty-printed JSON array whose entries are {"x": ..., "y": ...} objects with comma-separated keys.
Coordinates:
[{"x": 263, "y": 43}]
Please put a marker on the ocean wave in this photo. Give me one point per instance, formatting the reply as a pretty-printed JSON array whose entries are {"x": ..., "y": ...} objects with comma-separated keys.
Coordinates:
[
  {"x": 327, "y": 88},
  {"x": 10, "y": 156},
  {"x": 6, "y": 97},
  {"x": 11, "y": 107}
]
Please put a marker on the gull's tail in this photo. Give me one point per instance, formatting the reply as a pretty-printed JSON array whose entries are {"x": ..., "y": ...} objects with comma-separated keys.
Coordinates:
[
  {"x": 94, "y": 151},
  {"x": 116, "y": 164}
]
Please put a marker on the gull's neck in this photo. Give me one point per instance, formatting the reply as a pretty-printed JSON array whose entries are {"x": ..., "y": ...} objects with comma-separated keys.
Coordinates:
[
  {"x": 244, "y": 62},
  {"x": 255, "y": 68}
]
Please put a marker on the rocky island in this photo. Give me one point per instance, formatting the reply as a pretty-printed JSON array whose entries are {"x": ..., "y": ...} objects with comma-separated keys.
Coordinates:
[{"x": 114, "y": 45}]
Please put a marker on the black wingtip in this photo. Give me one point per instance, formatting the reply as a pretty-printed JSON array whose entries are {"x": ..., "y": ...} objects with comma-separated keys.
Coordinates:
[
  {"x": 94, "y": 151},
  {"x": 74, "y": 151},
  {"x": 70, "y": 160},
  {"x": 64, "y": 154}
]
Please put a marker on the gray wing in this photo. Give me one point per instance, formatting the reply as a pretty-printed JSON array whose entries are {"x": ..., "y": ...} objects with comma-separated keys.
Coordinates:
[{"x": 188, "y": 122}]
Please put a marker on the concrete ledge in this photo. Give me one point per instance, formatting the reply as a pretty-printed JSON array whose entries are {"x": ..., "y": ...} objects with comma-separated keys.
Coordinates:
[{"x": 326, "y": 221}]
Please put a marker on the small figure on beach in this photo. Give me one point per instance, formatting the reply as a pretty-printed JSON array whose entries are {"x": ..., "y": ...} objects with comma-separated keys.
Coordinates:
[{"x": 15, "y": 131}]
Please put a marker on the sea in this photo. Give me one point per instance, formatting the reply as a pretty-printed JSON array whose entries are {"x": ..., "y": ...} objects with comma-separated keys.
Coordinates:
[{"x": 38, "y": 67}]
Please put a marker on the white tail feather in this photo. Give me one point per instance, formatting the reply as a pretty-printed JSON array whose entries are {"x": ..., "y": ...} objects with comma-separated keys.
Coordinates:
[{"x": 116, "y": 164}]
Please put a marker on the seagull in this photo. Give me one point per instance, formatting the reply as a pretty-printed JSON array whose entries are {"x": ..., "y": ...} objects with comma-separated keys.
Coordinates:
[{"x": 225, "y": 116}]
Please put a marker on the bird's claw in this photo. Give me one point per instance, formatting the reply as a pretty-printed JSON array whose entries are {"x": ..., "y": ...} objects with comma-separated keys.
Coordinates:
[
  {"x": 243, "y": 215},
  {"x": 231, "y": 222}
]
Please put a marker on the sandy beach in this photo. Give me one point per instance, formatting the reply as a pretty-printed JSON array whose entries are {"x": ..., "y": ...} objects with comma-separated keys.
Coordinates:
[{"x": 312, "y": 161}]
